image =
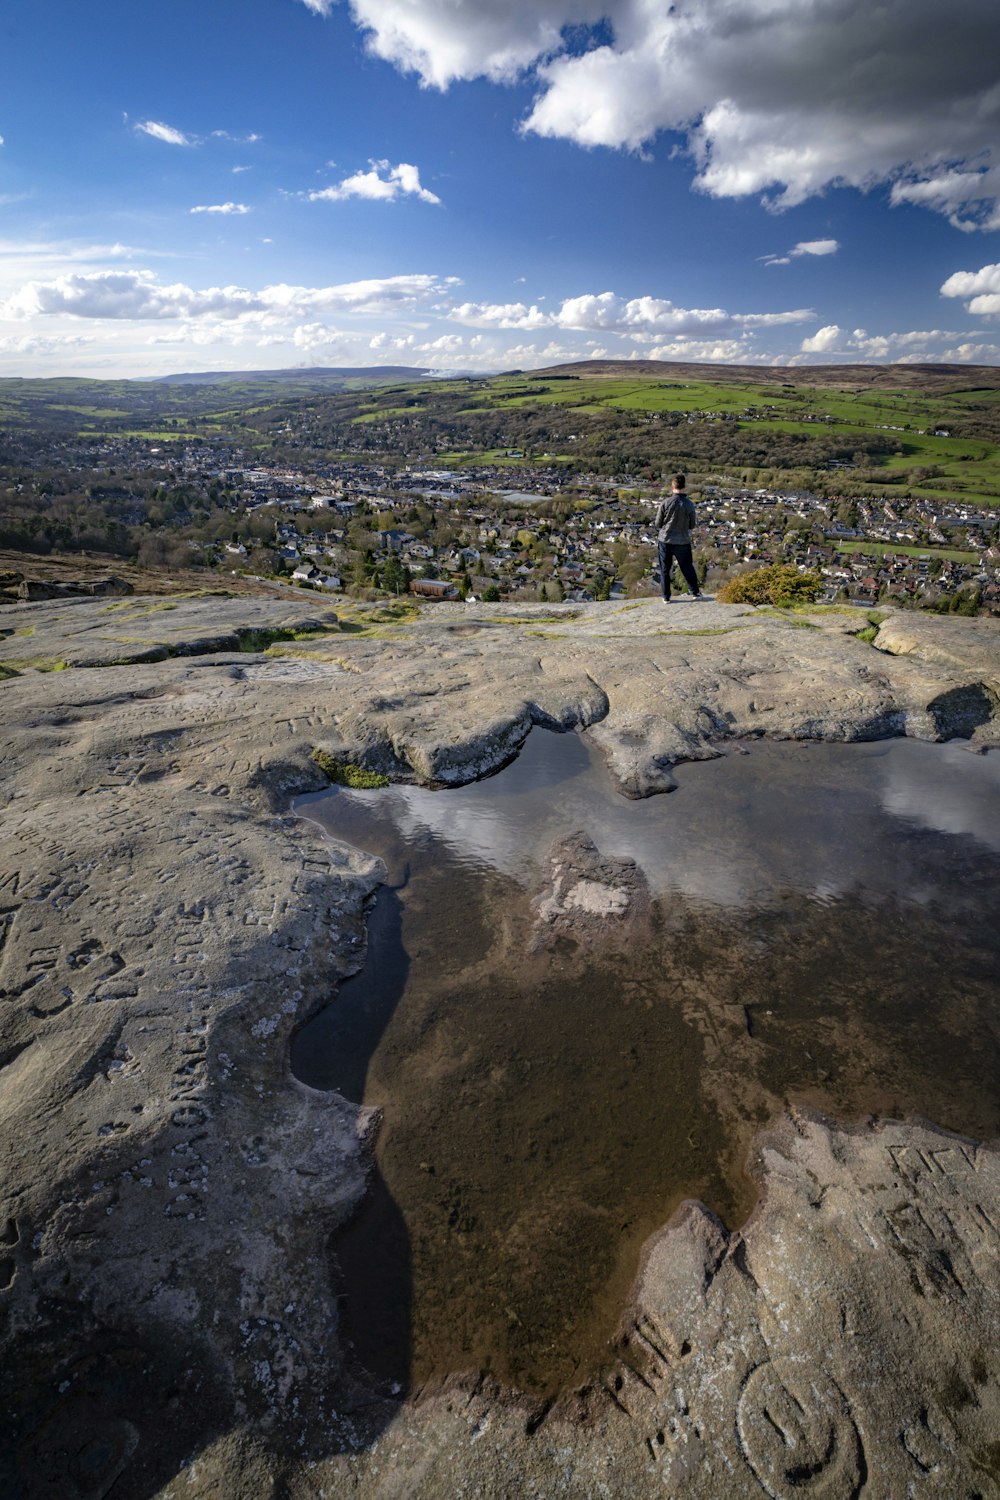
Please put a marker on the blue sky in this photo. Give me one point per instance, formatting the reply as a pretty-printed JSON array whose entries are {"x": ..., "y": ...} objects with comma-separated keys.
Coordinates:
[{"x": 481, "y": 184}]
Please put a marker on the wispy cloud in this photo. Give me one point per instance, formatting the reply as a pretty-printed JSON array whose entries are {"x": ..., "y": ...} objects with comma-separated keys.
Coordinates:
[
  {"x": 161, "y": 132},
  {"x": 804, "y": 247},
  {"x": 815, "y": 247},
  {"x": 220, "y": 208},
  {"x": 381, "y": 183},
  {"x": 171, "y": 136},
  {"x": 31, "y": 344},
  {"x": 23, "y": 260}
]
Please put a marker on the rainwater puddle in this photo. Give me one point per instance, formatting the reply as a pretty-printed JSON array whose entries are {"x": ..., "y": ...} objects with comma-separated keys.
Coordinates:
[{"x": 823, "y": 929}]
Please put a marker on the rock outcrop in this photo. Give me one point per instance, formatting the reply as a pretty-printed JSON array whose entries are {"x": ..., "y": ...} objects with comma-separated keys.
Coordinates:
[
  {"x": 169, "y": 1189},
  {"x": 588, "y": 899},
  {"x": 34, "y": 589}
]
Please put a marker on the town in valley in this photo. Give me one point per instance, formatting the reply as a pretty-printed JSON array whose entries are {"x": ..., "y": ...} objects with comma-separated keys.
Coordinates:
[{"x": 522, "y": 488}]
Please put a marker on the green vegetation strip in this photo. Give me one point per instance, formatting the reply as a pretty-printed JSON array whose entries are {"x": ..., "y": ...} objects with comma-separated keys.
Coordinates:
[
  {"x": 47, "y": 665},
  {"x": 139, "y": 611},
  {"x": 706, "y": 630},
  {"x": 787, "y": 616}
]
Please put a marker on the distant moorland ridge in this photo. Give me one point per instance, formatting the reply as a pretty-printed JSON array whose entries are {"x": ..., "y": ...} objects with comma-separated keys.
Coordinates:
[
  {"x": 929, "y": 378},
  {"x": 317, "y": 372}
]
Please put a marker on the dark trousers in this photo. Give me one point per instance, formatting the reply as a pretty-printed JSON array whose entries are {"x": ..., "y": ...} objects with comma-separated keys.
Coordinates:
[{"x": 679, "y": 552}]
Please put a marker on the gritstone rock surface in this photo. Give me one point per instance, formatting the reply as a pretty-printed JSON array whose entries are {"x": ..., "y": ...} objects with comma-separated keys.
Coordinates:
[{"x": 169, "y": 1189}]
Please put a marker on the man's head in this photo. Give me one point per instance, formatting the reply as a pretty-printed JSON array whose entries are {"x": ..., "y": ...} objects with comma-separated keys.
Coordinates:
[{"x": 679, "y": 482}]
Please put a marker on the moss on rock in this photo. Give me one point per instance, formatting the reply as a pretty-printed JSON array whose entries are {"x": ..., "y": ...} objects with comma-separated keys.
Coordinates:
[{"x": 346, "y": 773}]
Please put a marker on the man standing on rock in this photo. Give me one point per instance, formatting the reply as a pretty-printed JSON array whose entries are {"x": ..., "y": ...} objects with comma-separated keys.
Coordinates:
[{"x": 674, "y": 518}]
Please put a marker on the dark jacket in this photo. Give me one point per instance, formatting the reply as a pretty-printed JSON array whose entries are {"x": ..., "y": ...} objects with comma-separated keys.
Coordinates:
[{"x": 675, "y": 516}]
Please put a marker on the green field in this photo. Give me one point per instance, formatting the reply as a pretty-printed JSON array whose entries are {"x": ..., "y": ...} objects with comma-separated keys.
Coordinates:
[
  {"x": 381, "y": 413},
  {"x": 949, "y": 554},
  {"x": 496, "y": 457},
  {"x": 904, "y": 422}
]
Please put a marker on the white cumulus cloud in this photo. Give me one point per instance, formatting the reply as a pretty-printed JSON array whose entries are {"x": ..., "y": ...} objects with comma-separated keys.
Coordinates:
[
  {"x": 824, "y": 340},
  {"x": 220, "y": 208},
  {"x": 982, "y": 288},
  {"x": 970, "y": 198},
  {"x": 140, "y": 295},
  {"x": 782, "y": 98},
  {"x": 309, "y": 336},
  {"x": 969, "y": 353},
  {"x": 381, "y": 183},
  {"x": 915, "y": 346},
  {"x": 461, "y": 39},
  {"x": 703, "y": 351},
  {"x": 641, "y": 318},
  {"x": 161, "y": 132},
  {"x": 500, "y": 315}
]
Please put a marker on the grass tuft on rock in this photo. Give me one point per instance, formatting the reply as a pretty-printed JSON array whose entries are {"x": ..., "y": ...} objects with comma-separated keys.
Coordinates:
[
  {"x": 345, "y": 773},
  {"x": 870, "y": 631},
  {"x": 258, "y": 640}
]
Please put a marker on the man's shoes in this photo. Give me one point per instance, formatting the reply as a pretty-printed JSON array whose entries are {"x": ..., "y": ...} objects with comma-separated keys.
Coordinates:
[{"x": 664, "y": 601}]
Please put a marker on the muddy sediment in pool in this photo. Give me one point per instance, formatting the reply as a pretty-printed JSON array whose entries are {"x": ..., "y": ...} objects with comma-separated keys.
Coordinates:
[{"x": 818, "y": 930}]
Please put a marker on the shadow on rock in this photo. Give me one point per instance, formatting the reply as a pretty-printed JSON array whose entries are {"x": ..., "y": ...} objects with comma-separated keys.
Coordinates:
[
  {"x": 370, "y": 1260},
  {"x": 95, "y": 1412},
  {"x": 962, "y": 710}
]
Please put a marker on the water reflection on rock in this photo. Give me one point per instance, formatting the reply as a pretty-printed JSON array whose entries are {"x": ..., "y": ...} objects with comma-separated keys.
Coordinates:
[
  {"x": 764, "y": 818},
  {"x": 821, "y": 928}
]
